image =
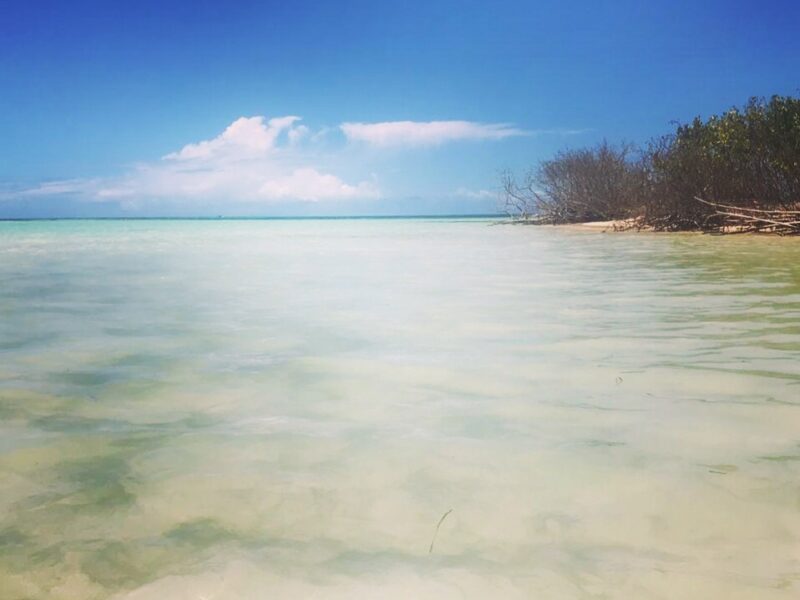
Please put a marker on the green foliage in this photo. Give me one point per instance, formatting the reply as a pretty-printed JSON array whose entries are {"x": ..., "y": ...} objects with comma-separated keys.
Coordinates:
[{"x": 747, "y": 157}]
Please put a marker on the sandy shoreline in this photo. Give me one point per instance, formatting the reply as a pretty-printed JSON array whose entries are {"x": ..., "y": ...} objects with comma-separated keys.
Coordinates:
[
  {"x": 603, "y": 226},
  {"x": 627, "y": 226},
  {"x": 606, "y": 226}
]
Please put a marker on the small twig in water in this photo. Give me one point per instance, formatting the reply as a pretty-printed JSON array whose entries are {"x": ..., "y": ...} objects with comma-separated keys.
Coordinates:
[{"x": 435, "y": 533}]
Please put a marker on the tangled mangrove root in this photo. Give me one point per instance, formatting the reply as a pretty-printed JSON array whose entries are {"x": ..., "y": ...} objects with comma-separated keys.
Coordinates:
[{"x": 726, "y": 219}]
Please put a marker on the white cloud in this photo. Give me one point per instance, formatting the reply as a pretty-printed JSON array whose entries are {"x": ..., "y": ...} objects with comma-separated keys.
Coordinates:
[
  {"x": 297, "y": 134},
  {"x": 54, "y": 188},
  {"x": 261, "y": 160},
  {"x": 253, "y": 159},
  {"x": 310, "y": 184},
  {"x": 245, "y": 136},
  {"x": 475, "y": 194},
  {"x": 426, "y": 133}
]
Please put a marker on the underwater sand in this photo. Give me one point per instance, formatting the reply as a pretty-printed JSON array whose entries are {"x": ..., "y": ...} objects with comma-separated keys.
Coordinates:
[{"x": 286, "y": 409}]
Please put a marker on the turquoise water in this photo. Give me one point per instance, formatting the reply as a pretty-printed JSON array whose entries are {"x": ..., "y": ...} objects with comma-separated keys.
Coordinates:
[{"x": 286, "y": 409}]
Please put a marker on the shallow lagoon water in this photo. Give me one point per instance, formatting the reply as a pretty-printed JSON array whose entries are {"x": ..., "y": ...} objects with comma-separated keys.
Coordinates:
[{"x": 286, "y": 409}]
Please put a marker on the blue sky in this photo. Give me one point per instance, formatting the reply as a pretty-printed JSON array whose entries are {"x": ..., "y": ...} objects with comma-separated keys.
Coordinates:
[{"x": 266, "y": 108}]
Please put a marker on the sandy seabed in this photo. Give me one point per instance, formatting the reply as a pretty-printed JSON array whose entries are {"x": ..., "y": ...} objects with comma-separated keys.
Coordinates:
[{"x": 241, "y": 410}]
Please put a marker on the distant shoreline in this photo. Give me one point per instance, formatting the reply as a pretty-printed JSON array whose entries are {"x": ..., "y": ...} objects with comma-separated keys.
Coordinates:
[
  {"x": 735, "y": 172},
  {"x": 630, "y": 227},
  {"x": 277, "y": 218}
]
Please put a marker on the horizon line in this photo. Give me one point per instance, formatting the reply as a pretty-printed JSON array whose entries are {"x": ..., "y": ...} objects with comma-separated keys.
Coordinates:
[{"x": 262, "y": 218}]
